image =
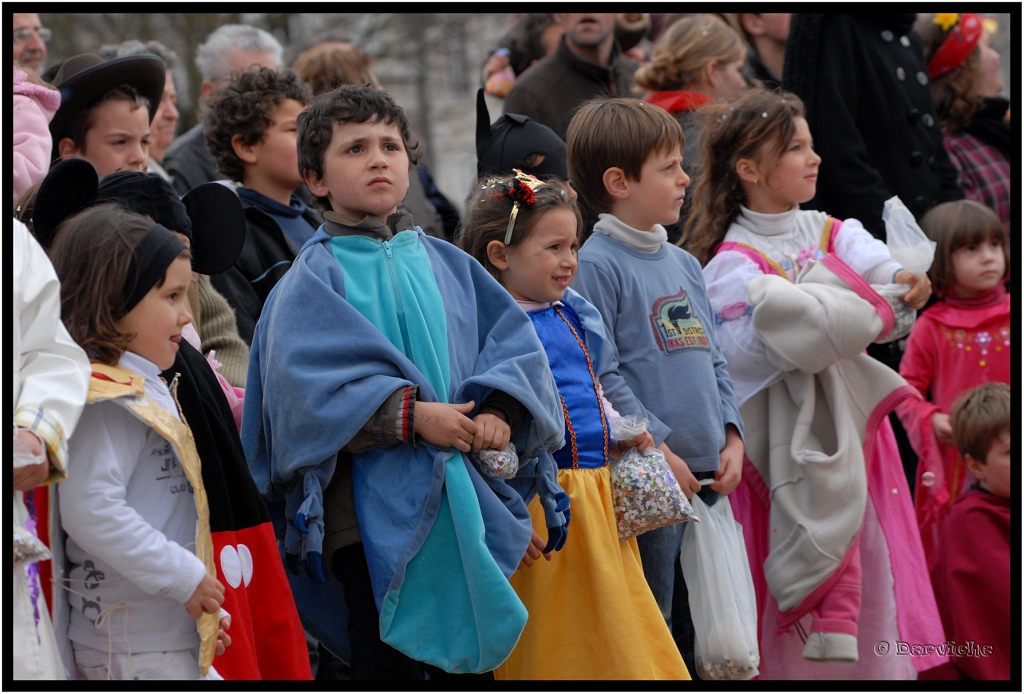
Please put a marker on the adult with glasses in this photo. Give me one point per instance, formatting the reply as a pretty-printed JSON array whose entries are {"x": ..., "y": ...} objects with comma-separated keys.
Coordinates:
[{"x": 30, "y": 39}]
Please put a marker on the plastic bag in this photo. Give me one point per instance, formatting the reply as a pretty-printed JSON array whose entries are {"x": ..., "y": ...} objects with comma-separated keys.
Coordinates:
[
  {"x": 626, "y": 429},
  {"x": 503, "y": 464},
  {"x": 909, "y": 247},
  {"x": 713, "y": 557},
  {"x": 907, "y": 244},
  {"x": 905, "y": 314},
  {"x": 27, "y": 547},
  {"x": 645, "y": 492}
]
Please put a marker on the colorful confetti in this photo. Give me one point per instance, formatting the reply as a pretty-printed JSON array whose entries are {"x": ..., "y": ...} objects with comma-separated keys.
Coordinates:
[
  {"x": 646, "y": 494},
  {"x": 500, "y": 464}
]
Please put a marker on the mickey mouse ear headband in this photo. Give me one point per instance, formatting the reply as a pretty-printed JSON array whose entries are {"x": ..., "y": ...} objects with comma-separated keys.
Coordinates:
[
  {"x": 218, "y": 227},
  {"x": 66, "y": 190},
  {"x": 517, "y": 142},
  {"x": 210, "y": 215},
  {"x": 959, "y": 43}
]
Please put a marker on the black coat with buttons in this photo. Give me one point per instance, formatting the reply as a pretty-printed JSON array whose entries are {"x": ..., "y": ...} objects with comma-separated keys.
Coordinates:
[{"x": 864, "y": 81}]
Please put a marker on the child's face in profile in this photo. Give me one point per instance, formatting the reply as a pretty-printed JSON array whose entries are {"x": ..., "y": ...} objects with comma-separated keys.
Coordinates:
[
  {"x": 365, "y": 170},
  {"x": 275, "y": 153},
  {"x": 119, "y": 138},
  {"x": 157, "y": 320},
  {"x": 793, "y": 181},
  {"x": 994, "y": 475},
  {"x": 657, "y": 197}
]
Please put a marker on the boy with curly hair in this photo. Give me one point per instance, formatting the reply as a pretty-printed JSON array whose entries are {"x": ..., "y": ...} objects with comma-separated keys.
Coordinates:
[{"x": 251, "y": 130}]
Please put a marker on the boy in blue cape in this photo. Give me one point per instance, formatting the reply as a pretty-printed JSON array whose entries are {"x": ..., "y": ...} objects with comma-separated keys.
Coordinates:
[{"x": 380, "y": 359}]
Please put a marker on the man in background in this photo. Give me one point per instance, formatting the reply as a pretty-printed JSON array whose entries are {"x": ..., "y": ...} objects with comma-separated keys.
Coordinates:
[
  {"x": 229, "y": 48},
  {"x": 30, "y": 39}
]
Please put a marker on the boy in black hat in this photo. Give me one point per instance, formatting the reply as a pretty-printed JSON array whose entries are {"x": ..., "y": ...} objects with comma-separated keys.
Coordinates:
[
  {"x": 250, "y": 130},
  {"x": 101, "y": 116}
]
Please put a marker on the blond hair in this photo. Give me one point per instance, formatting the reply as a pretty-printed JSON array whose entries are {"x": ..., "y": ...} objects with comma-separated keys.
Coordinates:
[{"x": 685, "y": 50}]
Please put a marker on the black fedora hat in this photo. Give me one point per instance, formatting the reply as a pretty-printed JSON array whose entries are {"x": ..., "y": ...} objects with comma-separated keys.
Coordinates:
[
  {"x": 210, "y": 214},
  {"x": 85, "y": 79}
]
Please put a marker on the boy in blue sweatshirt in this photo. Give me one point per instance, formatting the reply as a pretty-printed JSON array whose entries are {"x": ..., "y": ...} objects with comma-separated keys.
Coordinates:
[{"x": 625, "y": 161}]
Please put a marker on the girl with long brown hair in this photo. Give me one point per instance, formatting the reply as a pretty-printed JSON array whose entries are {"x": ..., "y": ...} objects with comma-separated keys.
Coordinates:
[{"x": 795, "y": 302}]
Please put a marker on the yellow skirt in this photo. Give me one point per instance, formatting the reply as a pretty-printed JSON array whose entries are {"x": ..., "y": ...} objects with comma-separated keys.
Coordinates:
[{"x": 592, "y": 615}]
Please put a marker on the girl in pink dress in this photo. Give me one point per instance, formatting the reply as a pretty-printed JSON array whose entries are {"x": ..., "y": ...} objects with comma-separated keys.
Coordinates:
[
  {"x": 958, "y": 343},
  {"x": 826, "y": 512}
]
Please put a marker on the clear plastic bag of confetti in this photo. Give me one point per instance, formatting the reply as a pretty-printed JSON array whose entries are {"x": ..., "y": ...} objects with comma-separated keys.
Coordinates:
[
  {"x": 904, "y": 313},
  {"x": 908, "y": 244},
  {"x": 626, "y": 429},
  {"x": 713, "y": 557},
  {"x": 503, "y": 464},
  {"x": 909, "y": 247},
  {"x": 646, "y": 494},
  {"x": 27, "y": 547}
]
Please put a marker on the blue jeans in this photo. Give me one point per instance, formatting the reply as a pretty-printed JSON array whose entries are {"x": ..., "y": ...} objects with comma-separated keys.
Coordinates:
[{"x": 659, "y": 552}]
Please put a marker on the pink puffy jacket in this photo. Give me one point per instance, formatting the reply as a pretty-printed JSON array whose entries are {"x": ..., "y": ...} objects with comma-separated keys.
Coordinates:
[{"x": 34, "y": 106}]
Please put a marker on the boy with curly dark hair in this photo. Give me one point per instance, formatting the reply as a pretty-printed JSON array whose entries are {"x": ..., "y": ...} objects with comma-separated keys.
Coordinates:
[{"x": 251, "y": 130}]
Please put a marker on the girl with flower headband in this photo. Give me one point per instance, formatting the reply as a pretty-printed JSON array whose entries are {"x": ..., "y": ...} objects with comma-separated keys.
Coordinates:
[
  {"x": 965, "y": 83},
  {"x": 591, "y": 612},
  {"x": 140, "y": 577},
  {"x": 795, "y": 305}
]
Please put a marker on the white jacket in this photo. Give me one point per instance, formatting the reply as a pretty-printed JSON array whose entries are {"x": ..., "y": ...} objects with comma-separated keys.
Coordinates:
[
  {"x": 51, "y": 377},
  {"x": 807, "y": 434}
]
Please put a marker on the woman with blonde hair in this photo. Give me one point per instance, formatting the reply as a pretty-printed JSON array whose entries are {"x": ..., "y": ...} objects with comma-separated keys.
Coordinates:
[{"x": 698, "y": 59}]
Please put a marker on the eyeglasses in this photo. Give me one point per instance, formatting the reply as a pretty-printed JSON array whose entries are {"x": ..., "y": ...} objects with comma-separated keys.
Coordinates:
[{"x": 22, "y": 35}]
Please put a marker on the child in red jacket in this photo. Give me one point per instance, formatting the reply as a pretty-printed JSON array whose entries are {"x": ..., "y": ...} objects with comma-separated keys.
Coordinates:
[{"x": 972, "y": 569}]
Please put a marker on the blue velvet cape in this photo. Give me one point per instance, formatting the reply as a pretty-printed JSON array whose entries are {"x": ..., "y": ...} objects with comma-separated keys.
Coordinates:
[{"x": 319, "y": 369}]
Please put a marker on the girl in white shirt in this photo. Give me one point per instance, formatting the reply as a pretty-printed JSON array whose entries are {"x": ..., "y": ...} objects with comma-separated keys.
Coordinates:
[
  {"x": 139, "y": 569},
  {"x": 759, "y": 167}
]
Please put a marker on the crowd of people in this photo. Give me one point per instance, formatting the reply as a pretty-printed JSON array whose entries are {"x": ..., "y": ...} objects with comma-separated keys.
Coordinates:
[{"x": 283, "y": 412}]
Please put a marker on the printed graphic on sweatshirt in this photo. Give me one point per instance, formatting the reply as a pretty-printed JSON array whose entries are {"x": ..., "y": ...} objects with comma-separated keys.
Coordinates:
[
  {"x": 170, "y": 469},
  {"x": 676, "y": 325}
]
